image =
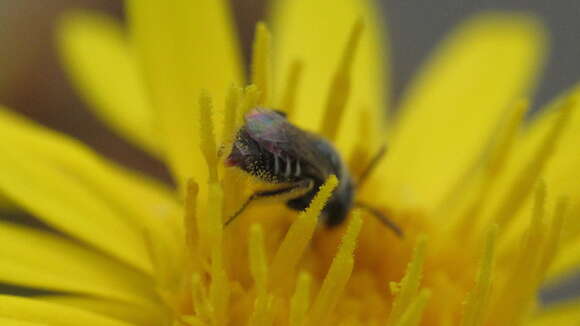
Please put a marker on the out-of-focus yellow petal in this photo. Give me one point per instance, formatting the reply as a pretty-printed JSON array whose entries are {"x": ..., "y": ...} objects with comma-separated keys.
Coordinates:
[
  {"x": 136, "y": 315},
  {"x": 457, "y": 101},
  {"x": 316, "y": 33},
  {"x": 565, "y": 314},
  {"x": 32, "y": 310},
  {"x": 104, "y": 69},
  {"x": 184, "y": 46},
  {"x": 44, "y": 260},
  {"x": 16, "y": 322},
  {"x": 71, "y": 188}
]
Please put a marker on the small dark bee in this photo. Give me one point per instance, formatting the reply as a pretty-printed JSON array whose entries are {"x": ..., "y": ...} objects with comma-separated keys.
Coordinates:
[{"x": 272, "y": 149}]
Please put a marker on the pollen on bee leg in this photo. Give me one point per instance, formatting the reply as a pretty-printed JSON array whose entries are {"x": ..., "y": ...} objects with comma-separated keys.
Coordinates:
[
  {"x": 298, "y": 236},
  {"x": 261, "y": 62},
  {"x": 338, "y": 275},
  {"x": 340, "y": 86}
]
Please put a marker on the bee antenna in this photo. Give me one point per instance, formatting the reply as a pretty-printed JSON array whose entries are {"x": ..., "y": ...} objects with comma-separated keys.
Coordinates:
[
  {"x": 372, "y": 165},
  {"x": 381, "y": 217}
]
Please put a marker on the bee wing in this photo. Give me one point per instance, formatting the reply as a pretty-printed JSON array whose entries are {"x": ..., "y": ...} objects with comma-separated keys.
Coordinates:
[{"x": 276, "y": 134}]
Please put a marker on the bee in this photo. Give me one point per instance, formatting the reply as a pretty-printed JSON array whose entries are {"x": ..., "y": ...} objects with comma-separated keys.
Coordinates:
[{"x": 275, "y": 151}]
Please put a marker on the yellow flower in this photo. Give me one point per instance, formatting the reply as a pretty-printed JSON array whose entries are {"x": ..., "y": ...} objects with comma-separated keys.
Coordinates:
[{"x": 488, "y": 203}]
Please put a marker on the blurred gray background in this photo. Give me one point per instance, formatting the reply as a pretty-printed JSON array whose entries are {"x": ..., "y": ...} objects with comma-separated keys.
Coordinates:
[{"x": 32, "y": 82}]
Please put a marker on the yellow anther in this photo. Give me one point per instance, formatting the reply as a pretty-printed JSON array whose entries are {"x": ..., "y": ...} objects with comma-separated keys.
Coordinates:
[
  {"x": 517, "y": 291},
  {"x": 261, "y": 62},
  {"x": 409, "y": 285},
  {"x": 191, "y": 222},
  {"x": 553, "y": 238},
  {"x": 412, "y": 316},
  {"x": 299, "y": 235},
  {"x": 300, "y": 301},
  {"x": 199, "y": 297},
  {"x": 249, "y": 100},
  {"x": 477, "y": 301},
  {"x": 290, "y": 92},
  {"x": 337, "y": 276},
  {"x": 219, "y": 292},
  {"x": 258, "y": 262},
  {"x": 231, "y": 113},
  {"x": 340, "y": 87},
  {"x": 207, "y": 135}
]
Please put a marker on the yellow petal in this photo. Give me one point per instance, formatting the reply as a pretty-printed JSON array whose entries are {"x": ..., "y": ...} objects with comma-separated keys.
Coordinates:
[
  {"x": 137, "y": 315},
  {"x": 567, "y": 261},
  {"x": 44, "y": 260},
  {"x": 184, "y": 47},
  {"x": 564, "y": 314},
  {"x": 104, "y": 69},
  {"x": 457, "y": 100},
  {"x": 16, "y": 322},
  {"x": 69, "y": 187},
  {"x": 31, "y": 310},
  {"x": 316, "y": 32}
]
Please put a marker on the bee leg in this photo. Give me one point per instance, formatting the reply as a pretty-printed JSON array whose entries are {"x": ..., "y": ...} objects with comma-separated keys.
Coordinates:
[
  {"x": 372, "y": 165},
  {"x": 294, "y": 190},
  {"x": 381, "y": 217}
]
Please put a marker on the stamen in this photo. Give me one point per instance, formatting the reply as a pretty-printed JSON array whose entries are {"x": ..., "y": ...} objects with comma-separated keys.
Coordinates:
[
  {"x": 414, "y": 313},
  {"x": 191, "y": 221},
  {"x": 299, "y": 235},
  {"x": 340, "y": 85},
  {"x": 207, "y": 136},
  {"x": 261, "y": 62},
  {"x": 337, "y": 276},
  {"x": 232, "y": 104},
  {"x": 219, "y": 291},
  {"x": 300, "y": 301},
  {"x": 258, "y": 262},
  {"x": 409, "y": 286},
  {"x": 290, "y": 92},
  {"x": 477, "y": 301},
  {"x": 553, "y": 238},
  {"x": 523, "y": 183},
  {"x": 262, "y": 313},
  {"x": 199, "y": 297},
  {"x": 250, "y": 100},
  {"x": 514, "y": 299}
]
